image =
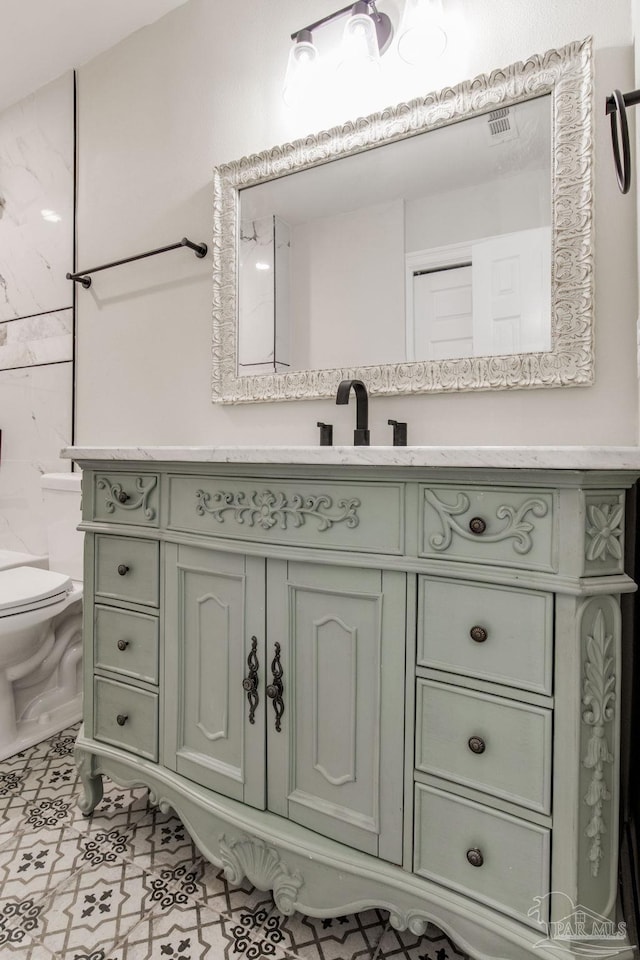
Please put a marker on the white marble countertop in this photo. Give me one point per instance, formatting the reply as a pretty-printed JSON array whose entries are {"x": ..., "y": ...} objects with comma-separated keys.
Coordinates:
[{"x": 549, "y": 458}]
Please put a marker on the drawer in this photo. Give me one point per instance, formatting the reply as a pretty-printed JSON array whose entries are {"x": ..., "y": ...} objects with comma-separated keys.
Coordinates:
[
  {"x": 126, "y": 498},
  {"x": 483, "y": 853},
  {"x": 508, "y": 526},
  {"x": 126, "y": 642},
  {"x": 338, "y": 516},
  {"x": 126, "y": 716},
  {"x": 494, "y": 633},
  {"x": 486, "y": 742},
  {"x": 127, "y": 569}
]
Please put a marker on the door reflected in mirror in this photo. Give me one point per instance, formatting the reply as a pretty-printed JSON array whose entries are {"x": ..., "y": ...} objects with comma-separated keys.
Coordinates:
[{"x": 435, "y": 247}]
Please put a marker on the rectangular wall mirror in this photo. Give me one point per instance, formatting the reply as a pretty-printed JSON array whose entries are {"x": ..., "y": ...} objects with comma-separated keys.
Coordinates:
[{"x": 443, "y": 244}]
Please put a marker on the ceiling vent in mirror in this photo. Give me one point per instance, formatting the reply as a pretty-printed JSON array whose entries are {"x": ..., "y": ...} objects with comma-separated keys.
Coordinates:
[{"x": 502, "y": 125}]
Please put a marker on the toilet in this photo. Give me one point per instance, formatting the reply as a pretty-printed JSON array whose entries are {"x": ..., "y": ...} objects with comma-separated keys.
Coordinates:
[{"x": 41, "y": 625}]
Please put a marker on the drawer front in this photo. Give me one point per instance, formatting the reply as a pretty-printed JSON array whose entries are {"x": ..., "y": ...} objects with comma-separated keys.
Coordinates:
[
  {"x": 126, "y": 498},
  {"x": 506, "y": 526},
  {"x": 485, "y": 742},
  {"x": 512, "y": 856},
  {"x": 338, "y": 516},
  {"x": 494, "y": 633},
  {"x": 126, "y": 717},
  {"x": 127, "y": 569},
  {"x": 126, "y": 642}
]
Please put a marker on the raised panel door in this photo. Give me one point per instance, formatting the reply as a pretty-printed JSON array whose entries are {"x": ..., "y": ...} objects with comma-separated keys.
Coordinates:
[
  {"x": 215, "y": 624},
  {"x": 336, "y": 762}
]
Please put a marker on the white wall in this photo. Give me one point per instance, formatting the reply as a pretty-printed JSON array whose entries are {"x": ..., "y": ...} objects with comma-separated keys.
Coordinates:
[{"x": 203, "y": 86}]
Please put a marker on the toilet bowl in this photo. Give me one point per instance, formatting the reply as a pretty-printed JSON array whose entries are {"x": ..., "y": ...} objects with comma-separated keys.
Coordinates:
[{"x": 41, "y": 627}]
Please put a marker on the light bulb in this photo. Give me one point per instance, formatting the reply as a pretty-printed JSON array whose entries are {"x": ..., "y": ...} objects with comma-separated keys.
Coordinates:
[
  {"x": 301, "y": 69},
  {"x": 422, "y": 37},
  {"x": 360, "y": 41}
]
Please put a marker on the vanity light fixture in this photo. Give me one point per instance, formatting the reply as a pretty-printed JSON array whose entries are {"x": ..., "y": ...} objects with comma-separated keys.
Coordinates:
[{"x": 367, "y": 35}]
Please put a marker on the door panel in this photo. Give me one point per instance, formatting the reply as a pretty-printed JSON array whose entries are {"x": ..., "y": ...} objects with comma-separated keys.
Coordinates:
[
  {"x": 215, "y": 604},
  {"x": 336, "y": 765}
]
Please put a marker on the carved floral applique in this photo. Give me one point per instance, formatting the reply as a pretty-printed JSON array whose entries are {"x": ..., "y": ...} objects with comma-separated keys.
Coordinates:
[{"x": 605, "y": 530}]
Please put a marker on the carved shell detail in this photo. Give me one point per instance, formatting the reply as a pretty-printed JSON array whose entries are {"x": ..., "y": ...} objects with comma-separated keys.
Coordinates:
[{"x": 264, "y": 867}]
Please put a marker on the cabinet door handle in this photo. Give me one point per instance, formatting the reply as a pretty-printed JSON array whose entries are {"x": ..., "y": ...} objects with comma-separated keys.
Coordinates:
[
  {"x": 123, "y": 569},
  {"x": 276, "y": 688},
  {"x": 475, "y": 858},
  {"x": 477, "y": 525},
  {"x": 121, "y": 719},
  {"x": 250, "y": 683},
  {"x": 123, "y": 644},
  {"x": 479, "y": 634}
]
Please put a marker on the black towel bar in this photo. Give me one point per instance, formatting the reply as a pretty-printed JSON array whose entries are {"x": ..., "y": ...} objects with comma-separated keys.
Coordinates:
[{"x": 82, "y": 276}]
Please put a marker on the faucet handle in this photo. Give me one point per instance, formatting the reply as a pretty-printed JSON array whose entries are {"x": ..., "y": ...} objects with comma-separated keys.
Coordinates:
[
  {"x": 326, "y": 433},
  {"x": 399, "y": 432}
]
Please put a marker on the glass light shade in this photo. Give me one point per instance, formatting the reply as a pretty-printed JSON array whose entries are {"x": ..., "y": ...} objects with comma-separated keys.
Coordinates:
[
  {"x": 360, "y": 41},
  {"x": 422, "y": 37},
  {"x": 301, "y": 70}
]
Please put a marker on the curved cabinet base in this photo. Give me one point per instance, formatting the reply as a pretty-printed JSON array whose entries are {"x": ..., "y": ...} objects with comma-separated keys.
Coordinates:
[{"x": 314, "y": 875}]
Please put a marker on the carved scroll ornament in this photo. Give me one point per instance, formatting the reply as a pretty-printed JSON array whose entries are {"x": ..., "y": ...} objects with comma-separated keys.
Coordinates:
[
  {"x": 267, "y": 509},
  {"x": 516, "y": 527},
  {"x": 118, "y": 497}
]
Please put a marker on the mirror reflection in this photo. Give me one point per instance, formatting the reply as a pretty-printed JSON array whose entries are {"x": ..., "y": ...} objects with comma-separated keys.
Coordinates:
[{"x": 435, "y": 247}]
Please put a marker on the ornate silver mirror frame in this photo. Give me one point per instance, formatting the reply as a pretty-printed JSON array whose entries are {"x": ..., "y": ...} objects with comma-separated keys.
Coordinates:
[{"x": 565, "y": 74}]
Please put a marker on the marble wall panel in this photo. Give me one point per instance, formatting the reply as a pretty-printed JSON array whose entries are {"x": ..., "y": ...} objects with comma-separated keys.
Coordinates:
[
  {"x": 36, "y": 201},
  {"x": 32, "y": 341},
  {"x": 35, "y": 419}
]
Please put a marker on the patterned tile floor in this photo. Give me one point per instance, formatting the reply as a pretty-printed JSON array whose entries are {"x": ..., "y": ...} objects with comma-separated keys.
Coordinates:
[{"x": 128, "y": 884}]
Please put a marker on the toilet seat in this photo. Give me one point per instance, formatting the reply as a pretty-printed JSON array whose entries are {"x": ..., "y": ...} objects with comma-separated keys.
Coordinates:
[{"x": 28, "y": 588}]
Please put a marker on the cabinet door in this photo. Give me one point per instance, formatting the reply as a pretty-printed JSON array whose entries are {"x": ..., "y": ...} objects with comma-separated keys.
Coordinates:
[
  {"x": 215, "y": 609},
  {"x": 336, "y": 764}
]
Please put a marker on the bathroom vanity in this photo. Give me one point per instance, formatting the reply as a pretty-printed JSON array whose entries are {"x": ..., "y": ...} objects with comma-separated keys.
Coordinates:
[{"x": 371, "y": 677}]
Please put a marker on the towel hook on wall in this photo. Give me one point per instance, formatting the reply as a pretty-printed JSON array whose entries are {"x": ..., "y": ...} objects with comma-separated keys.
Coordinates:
[{"x": 616, "y": 108}]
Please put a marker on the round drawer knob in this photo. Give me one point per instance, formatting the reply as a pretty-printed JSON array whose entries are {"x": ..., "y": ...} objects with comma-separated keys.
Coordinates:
[
  {"x": 477, "y": 525},
  {"x": 475, "y": 858},
  {"x": 123, "y": 569},
  {"x": 123, "y": 644},
  {"x": 123, "y": 497},
  {"x": 479, "y": 634},
  {"x": 121, "y": 719},
  {"x": 477, "y": 745}
]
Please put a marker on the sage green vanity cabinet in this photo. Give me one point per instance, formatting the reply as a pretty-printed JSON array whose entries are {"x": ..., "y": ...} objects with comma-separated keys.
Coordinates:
[{"x": 393, "y": 687}]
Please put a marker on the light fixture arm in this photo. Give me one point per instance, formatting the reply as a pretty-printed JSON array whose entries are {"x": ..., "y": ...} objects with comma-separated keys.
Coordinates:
[{"x": 384, "y": 28}]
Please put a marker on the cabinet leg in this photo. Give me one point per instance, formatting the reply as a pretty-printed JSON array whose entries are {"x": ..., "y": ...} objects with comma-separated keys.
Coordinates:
[{"x": 91, "y": 782}]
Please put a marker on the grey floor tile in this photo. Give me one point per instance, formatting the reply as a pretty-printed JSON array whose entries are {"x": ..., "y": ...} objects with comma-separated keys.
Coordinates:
[
  {"x": 332, "y": 938},
  {"x": 128, "y": 883},
  {"x": 433, "y": 945}
]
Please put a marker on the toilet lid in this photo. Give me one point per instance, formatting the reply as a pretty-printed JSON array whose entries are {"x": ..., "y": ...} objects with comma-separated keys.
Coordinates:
[{"x": 24, "y": 588}]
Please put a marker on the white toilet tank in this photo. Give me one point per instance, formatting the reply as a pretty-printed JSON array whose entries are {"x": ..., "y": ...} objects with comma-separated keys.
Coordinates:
[{"x": 62, "y": 512}]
